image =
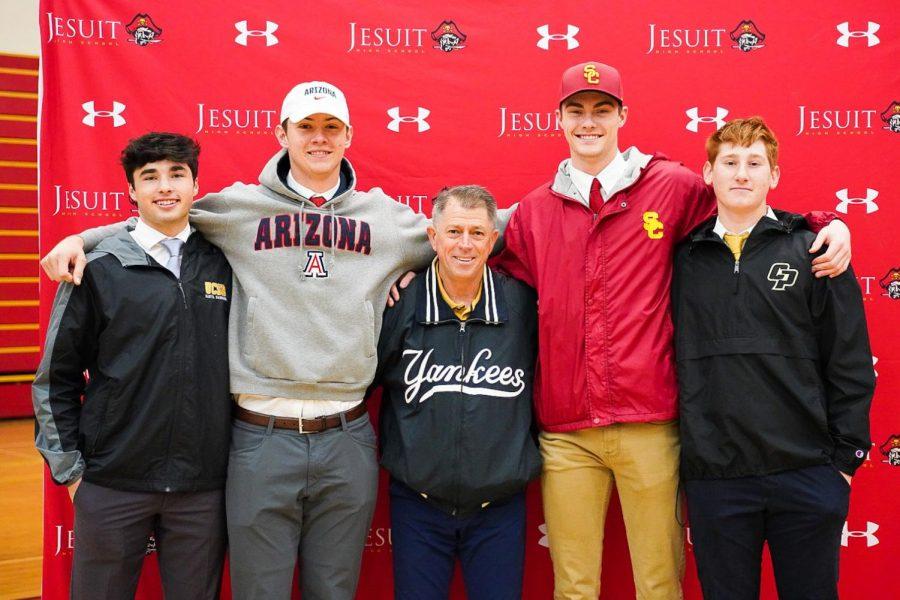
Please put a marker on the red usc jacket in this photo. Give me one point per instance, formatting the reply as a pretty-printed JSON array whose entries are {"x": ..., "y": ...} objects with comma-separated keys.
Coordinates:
[{"x": 605, "y": 352}]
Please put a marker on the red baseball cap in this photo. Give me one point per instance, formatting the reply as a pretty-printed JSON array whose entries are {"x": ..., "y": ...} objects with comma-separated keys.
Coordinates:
[{"x": 591, "y": 76}]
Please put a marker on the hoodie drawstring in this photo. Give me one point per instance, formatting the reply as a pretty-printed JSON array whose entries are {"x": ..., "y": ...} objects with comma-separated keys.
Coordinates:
[{"x": 302, "y": 240}]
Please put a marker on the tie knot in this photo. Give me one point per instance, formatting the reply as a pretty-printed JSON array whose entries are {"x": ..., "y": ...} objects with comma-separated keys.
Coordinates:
[
  {"x": 173, "y": 245},
  {"x": 595, "y": 185},
  {"x": 735, "y": 242}
]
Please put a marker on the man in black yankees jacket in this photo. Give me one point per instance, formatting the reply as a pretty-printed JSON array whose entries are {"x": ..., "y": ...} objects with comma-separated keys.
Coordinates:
[
  {"x": 456, "y": 359},
  {"x": 775, "y": 381}
]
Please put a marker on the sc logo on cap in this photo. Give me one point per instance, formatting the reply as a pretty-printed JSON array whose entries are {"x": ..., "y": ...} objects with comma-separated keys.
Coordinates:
[{"x": 591, "y": 75}]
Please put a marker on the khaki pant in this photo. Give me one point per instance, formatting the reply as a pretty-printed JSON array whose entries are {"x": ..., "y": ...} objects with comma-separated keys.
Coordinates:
[{"x": 580, "y": 468}]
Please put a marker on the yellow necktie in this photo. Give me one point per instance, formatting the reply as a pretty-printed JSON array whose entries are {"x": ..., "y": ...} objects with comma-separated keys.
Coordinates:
[{"x": 736, "y": 243}]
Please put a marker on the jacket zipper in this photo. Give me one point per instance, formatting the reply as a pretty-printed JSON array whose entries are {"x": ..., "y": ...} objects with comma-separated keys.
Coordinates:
[
  {"x": 461, "y": 405},
  {"x": 737, "y": 275},
  {"x": 180, "y": 375}
]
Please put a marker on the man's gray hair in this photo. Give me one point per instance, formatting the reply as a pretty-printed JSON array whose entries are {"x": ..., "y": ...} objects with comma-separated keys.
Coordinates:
[{"x": 467, "y": 196}]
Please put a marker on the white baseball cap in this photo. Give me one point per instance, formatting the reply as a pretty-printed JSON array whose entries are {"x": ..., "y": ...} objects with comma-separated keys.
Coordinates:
[{"x": 313, "y": 97}]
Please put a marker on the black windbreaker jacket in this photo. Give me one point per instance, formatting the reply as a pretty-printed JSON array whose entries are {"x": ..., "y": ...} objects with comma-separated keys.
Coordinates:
[
  {"x": 156, "y": 412},
  {"x": 456, "y": 417},
  {"x": 774, "y": 367}
]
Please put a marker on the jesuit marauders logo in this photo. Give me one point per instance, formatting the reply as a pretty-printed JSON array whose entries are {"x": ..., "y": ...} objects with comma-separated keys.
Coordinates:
[
  {"x": 891, "y": 117},
  {"x": 101, "y": 32},
  {"x": 447, "y": 36},
  {"x": 143, "y": 30},
  {"x": 891, "y": 284},
  {"x": 745, "y": 36},
  {"x": 890, "y": 449}
]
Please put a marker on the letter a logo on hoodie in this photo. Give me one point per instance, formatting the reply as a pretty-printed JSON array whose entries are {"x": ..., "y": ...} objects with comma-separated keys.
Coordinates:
[{"x": 315, "y": 264}]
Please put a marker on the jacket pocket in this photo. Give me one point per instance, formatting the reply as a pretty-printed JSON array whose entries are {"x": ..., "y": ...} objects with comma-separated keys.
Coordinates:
[{"x": 107, "y": 398}]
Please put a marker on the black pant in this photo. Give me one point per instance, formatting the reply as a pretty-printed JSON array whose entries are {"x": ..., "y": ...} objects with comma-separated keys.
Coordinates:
[
  {"x": 112, "y": 528},
  {"x": 800, "y": 514}
]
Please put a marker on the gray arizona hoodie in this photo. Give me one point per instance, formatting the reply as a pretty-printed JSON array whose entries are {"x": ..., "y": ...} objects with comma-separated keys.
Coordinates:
[{"x": 310, "y": 283}]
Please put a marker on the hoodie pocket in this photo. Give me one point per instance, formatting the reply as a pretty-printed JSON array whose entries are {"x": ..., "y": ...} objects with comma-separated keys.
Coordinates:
[
  {"x": 370, "y": 329},
  {"x": 295, "y": 343}
]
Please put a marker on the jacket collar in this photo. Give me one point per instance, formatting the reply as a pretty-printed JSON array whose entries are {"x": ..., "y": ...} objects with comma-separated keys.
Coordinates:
[
  {"x": 431, "y": 308},
  {"x": 123, "y": 247},
  {"x": 635, "y": 162},
  {"x": 786, "y": 222}
]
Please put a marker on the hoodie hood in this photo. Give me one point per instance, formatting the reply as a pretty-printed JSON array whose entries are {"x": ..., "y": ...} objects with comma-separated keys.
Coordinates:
[
  {"x": 635, "y": 162},
  {"x": 273, "y": 177}
]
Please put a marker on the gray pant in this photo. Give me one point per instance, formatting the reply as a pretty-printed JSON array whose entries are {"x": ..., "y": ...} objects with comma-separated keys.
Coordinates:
[
  {"x": 111, "y": 532},
  {"x": 308, "y": 492}
]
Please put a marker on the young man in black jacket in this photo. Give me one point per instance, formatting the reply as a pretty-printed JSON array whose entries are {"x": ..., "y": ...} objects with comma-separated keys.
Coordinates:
[
  {"x": 775, "y": 379},
  {"x": 456, "y": 358},
  {"x": 146, "y": 451}
]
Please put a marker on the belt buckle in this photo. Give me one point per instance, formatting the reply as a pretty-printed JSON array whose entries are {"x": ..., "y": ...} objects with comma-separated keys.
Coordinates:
[{"x": 322, "y": 418}]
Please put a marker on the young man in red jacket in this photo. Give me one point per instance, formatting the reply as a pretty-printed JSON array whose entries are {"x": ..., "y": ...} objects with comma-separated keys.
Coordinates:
[{"x": 596, "y": 243}]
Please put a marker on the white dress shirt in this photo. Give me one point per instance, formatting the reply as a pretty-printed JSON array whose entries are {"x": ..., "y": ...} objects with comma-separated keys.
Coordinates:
[
  {"x": 721, "y": 231},
  {"x": 149, "y": 239},
  {"x": 608, "y": 177},
  {"x": 308, "y": 193}
]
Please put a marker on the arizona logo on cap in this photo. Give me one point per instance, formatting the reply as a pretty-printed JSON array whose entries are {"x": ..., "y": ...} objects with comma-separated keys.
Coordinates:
[{"x": 591, "y": 75}]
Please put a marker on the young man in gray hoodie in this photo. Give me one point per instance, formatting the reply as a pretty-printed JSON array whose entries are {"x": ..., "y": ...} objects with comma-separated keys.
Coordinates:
[{"x": 313, "y": 262}]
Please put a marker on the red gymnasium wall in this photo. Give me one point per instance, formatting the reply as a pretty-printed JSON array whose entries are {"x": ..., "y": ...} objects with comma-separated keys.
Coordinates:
[{"x": 822, "y": 73}]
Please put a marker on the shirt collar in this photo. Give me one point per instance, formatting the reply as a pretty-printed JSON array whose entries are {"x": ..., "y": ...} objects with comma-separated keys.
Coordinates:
[
  {"x": 720, "y": 230},
  {"x": 462, "y": 311},
  {"x": 608, "y": 177},
  {"x": 147, "y": 237},
  {"x": 308, "y": 193},
  {"x": 431, "y": 309}
]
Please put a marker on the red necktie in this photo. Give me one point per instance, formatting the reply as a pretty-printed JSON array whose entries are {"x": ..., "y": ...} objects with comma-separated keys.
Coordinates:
[
  {"x": 595, "y": 199},
  {"x": 317, "y": 200}
]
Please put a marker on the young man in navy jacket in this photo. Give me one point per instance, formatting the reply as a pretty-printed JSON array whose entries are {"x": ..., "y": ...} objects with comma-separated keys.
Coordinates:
[
  {"x": 775, "y": 379},
  {"x": 146, "y": 451}
]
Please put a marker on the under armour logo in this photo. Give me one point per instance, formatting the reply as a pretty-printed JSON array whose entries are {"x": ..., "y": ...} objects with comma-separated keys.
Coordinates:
[
  {"x": 869, "y": 34},
  {"x": 846, "y": 200},
  {"x": 782, "y": 276},
  {"x": 116, "y": 114},
  {"x": 696, "y": 119},
  {"x": 315, "y": 264},
  {"x": 543, "y": 541},
  {"x": 874, "y": 362},
  {"x": 869, "y": 534},
  {"x": 419, "y": 120},
  {"x": 245, "y": 33},
  {"x": 569, "y": 37}
]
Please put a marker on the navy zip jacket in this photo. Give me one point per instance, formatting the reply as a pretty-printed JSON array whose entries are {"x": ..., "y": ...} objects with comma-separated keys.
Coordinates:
[
  {"x": 156, "y": 415},
  {"x": 774, "y": 367},
  {"x": 456, "y": 420}
]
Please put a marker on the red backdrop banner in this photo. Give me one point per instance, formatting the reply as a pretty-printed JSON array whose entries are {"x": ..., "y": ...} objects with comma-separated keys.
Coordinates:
[{"x": 428, "y": 113}]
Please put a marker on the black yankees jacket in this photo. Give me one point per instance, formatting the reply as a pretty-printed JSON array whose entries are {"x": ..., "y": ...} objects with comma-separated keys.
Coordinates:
[
  {"x": 774, "y": 367},
  {"x": 456, "y": 420},
  {"x": 156, "y": 414}
]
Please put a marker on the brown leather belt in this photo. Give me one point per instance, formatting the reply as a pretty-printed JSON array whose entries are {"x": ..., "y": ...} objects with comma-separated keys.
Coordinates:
[{"x": 316, "y": 425}]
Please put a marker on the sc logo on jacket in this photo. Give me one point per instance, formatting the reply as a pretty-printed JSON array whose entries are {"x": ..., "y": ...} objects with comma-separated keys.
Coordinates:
[{"x": 652, "y": 225}]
